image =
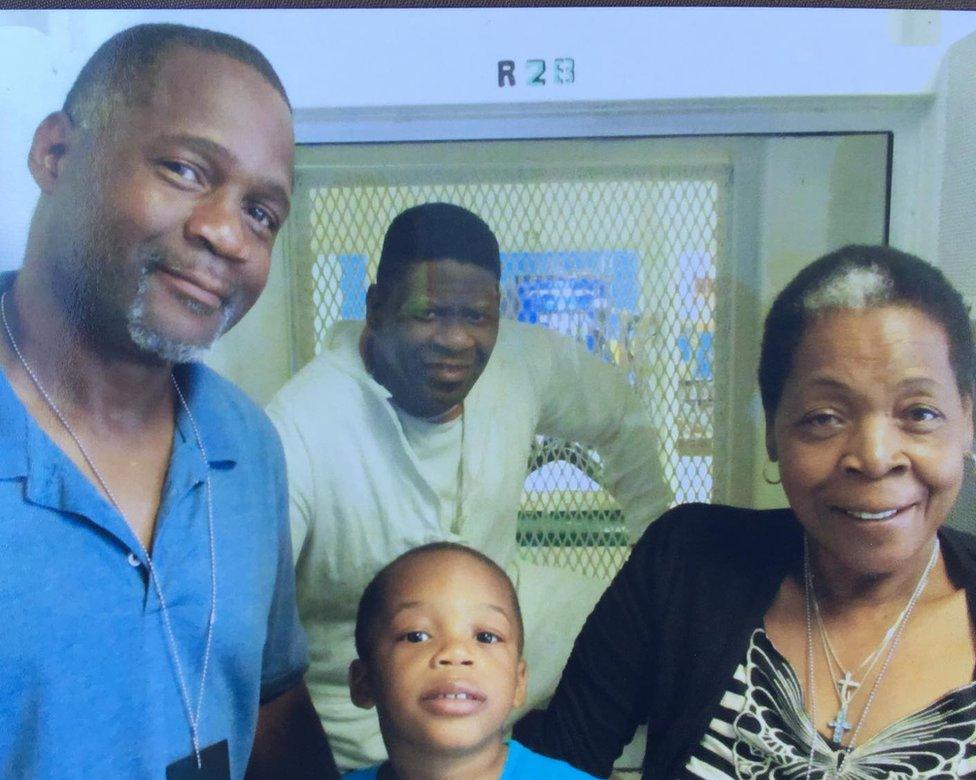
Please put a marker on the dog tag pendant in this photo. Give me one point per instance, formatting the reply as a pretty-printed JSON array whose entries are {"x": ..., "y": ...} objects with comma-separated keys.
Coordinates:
[{"x": 215, "y": 764}]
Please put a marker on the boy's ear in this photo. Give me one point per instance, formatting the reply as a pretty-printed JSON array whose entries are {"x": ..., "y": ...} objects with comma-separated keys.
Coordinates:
[
  {"x": 521, "y": 680},
  {"x": 360, "y": 686},
  {"x": 48, "y": 149}
]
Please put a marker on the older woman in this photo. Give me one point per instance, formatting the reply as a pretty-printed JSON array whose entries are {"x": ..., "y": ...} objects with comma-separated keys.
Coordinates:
[{"x": 831, "y": 639}]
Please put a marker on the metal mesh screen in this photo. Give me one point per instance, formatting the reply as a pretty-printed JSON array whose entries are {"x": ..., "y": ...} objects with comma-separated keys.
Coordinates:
[{"x": 626, "y": 265}]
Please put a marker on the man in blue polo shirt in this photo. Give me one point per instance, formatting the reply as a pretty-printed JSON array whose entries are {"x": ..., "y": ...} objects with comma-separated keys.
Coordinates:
[{"x": 146, "y": 587}]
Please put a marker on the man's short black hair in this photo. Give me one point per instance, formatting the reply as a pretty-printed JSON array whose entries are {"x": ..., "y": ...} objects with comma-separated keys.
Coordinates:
[
  {"x": 896, "y": 279},
  {"x": 372, "y": 604},
  {"x": 121, "y": 72},
  {"x": 435, "y": 231}
]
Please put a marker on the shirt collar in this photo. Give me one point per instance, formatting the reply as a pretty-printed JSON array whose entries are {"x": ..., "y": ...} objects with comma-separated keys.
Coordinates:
[
  {"x": 13, "y": 432},
  {"x": 13, "y": 416},
  {"x": 343, "y": 345},
  {"x": 209, "y": 406},
  {"x": 211, "y": 410}
]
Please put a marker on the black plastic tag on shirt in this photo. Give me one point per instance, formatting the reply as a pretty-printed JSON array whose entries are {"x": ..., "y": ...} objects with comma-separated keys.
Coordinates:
[{"x": 215, "y": 764}]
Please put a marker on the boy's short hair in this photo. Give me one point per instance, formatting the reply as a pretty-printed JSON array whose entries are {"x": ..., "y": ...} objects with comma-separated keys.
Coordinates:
[{"x": 373, "y": 600}]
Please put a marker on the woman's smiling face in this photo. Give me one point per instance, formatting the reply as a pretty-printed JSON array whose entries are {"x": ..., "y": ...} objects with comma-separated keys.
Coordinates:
[{"x": 871, "y": 434}]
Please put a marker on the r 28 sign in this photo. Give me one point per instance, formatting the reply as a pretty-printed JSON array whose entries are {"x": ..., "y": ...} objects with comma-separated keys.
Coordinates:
[{"x": 537, "y": 73}]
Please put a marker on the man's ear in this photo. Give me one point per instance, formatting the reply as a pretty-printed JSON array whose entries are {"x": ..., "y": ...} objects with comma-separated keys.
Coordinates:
[
  {"x": 771, "y": 441},
  {"x": 50, "y": 145},
  {"x": 360, "y": 686},
  {"x": 521, "y": 681},
  {"x": 373, "y": 303}
]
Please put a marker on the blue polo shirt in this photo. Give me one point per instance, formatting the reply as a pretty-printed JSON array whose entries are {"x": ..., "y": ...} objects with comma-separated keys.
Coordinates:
[{"x": 87, "y": 688}]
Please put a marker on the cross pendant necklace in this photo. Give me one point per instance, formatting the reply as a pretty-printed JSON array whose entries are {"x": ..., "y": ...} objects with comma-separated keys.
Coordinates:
[
  {"x": 846, "y": 686},
  {"x": 840, "y": 723}
]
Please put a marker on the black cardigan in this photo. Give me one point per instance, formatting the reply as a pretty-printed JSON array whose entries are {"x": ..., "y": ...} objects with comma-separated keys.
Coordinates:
[{"x": 664, "y": 640}]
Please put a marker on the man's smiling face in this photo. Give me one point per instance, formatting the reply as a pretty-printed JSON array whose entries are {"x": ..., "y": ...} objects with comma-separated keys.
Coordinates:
[
  {"x": 172, "y": 211},
  {"x": 433, "y": 335}
]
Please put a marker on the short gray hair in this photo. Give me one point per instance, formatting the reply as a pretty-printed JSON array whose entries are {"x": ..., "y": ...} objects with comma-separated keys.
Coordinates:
[
  {"x": 121, "y": 72},
  {"x": 862, "y": 277},
  {"x": 851, "y": 287}
]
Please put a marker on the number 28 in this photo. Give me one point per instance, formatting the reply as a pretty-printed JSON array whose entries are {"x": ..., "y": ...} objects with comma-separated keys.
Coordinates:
[{"x": 563, "y": 67}]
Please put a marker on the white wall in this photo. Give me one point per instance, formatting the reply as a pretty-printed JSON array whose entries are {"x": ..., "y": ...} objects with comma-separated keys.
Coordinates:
[{"x": 956, "y": 137}]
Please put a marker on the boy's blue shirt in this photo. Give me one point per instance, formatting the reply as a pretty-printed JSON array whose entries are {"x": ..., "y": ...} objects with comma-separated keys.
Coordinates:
[{"x": 521, "y": 764}]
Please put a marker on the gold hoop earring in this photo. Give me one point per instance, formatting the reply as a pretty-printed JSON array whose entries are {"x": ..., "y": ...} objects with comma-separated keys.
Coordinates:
[{"x": 766, "y": 478}]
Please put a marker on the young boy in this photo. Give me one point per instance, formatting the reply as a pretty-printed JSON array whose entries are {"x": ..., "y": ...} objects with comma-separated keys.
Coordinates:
[{"x": 439, "y": 638}]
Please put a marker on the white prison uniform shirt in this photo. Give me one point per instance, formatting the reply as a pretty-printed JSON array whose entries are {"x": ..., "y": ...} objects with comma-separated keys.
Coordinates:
[
  {"x": 359, "y": 496},
  {"x": 437, "y": 447}
]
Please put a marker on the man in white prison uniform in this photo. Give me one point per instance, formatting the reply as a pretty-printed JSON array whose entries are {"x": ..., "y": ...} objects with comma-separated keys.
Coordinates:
[{"x": 402, "y": 432}]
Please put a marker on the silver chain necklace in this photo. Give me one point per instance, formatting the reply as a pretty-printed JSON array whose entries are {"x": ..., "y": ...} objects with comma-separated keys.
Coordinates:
[
  {"x": 846, "y": 686},
  {"x": 846, "y": 682},
  {"x": 893, "y": 636},
  {"x": 458, "y": 509},
  {"x": 192, "y": 714}
]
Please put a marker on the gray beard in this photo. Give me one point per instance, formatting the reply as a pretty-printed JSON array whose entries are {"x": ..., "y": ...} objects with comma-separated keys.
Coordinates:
[{"x": 167, "y": 349}]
